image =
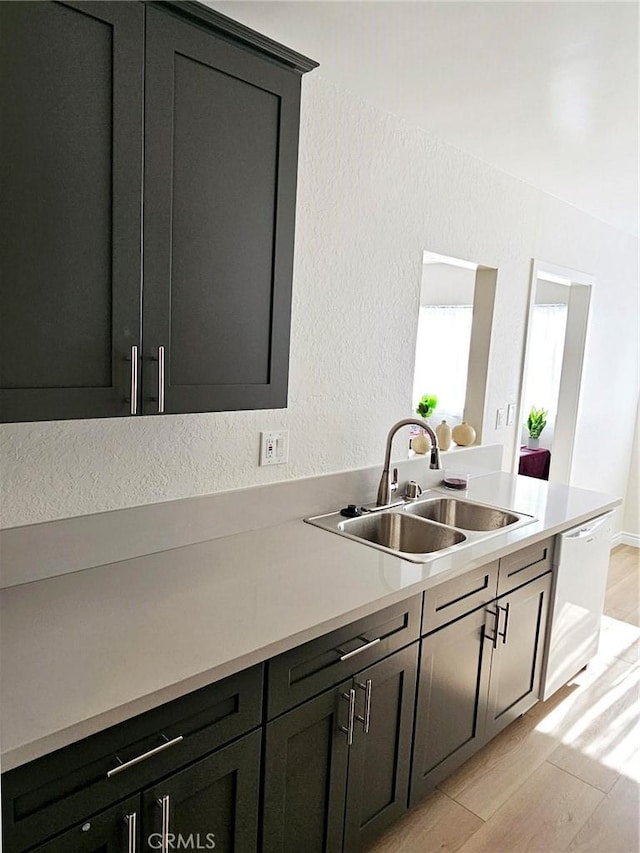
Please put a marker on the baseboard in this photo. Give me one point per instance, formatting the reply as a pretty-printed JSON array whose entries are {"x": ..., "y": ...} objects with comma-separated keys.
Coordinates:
[{"x": 623, "y": 538}]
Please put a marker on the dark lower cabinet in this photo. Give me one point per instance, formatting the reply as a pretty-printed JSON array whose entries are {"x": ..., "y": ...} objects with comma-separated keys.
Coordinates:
[
  {"x": 337, "y": 767},
  {"x": 380, "y": 756},
  {"x": 214, "y": 771},
  {"x": 477, "y": 675},
  {"x": 454, "y": 678},
  {"x": 211, "y": 805},
  {"x": 116, "y": 830},
  {"x": 306, "y": 760},
  {"x": 517, "y": 658}
]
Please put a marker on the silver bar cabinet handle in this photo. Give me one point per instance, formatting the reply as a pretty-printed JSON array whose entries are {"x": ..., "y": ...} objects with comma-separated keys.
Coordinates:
[
  {"x": 160, "y": 380},
  {"x": 496, "y": 616},
  {"x": 348, "y": 729},
  {"x": 143, "y": 757},
  {"x": 131, "y": 826},
  {"x": 163, "y": 802},
  {"x": 366, "y": 720},
  {"x": 134, "y": 381},
  {"x": 503, "y": 633},
  {"x": 347, "y": 655}
]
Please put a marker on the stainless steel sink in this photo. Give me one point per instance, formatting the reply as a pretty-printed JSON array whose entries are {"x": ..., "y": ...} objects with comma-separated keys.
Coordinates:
[
  {"x": 424, "y": 529},
  {"x": 401, "y": 532},
  {"x": 463, "y": 514}
]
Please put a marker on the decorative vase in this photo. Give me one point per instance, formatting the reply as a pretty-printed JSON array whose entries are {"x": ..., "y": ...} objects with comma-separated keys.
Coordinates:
[
  {"x": 421, "y": 443},
  {"x": 443, "y": 431},
  {"x": 533, "y": 443},
  {"x": 464, "y": 434}
]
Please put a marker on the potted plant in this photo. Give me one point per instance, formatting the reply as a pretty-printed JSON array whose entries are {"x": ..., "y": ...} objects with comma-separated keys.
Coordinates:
[
  {"x": 536, "y": 422},
  {"x": 421, "y": 443}
]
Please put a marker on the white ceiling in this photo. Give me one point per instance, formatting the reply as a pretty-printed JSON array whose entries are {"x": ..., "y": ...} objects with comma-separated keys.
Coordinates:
[{"x": 546, "y": 91}]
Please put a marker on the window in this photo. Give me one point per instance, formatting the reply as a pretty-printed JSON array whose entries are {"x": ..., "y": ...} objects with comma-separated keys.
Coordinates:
[{"x": 442, "y": 357}]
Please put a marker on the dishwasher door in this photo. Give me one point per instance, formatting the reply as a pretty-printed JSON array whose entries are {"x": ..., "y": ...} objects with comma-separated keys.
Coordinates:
[{"x": 581, "y": 564}]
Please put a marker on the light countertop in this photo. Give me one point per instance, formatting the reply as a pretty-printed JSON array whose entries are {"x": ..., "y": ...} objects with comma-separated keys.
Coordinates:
[{"x": 83, "y": 651}]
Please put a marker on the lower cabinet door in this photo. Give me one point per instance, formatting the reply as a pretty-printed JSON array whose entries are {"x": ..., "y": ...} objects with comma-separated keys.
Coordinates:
[
  {"x": 116, "y": 830},
  {"x": 380, "y": 757},
  {"x": 211, "y": 805},
  {"x": 305, "y": 776},
  {"x": 455, "y": 663},
  {"x": 517, "y": 659}
]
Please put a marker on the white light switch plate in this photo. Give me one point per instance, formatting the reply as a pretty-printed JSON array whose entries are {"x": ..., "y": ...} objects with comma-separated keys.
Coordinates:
[
  {"x": 511, "y": 413},
  {"x": 499, "y": 418},
  {"x": 274, "y": 447}
]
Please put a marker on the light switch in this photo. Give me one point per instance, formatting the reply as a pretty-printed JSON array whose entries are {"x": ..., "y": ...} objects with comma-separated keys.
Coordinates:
[
  {"x": 499, "y": 418},
  {"x": 274, "y": 447},
  {"x": 511, "y": 414}
]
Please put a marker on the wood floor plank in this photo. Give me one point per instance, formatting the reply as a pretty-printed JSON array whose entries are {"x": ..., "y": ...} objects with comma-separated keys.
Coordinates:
[
  {"x": 437, "y": 825},
  {"x": 597, "y": 726},
  {"x": 488, "y": 779},
  {"x": 613, "y": 826},
  {"x": 619, "y": 639},
  {"x": 624, "y": 560},
  {"x": 543, "y": 816},
  {"x": 624, "y": 595}
]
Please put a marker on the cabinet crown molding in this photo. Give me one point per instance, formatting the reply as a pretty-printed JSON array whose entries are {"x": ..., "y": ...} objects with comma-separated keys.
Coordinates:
[{"x": 198, "y": 13}]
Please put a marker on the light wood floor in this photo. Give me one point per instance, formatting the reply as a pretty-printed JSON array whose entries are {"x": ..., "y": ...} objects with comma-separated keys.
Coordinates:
[{"x": 565, "y": 776}]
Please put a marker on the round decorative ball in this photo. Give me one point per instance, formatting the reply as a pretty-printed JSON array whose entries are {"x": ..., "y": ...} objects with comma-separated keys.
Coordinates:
[{"x": 464, "y": 434}]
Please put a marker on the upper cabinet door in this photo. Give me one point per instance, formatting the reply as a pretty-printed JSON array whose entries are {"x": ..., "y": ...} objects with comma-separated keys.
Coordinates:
[
  {"x": 71, "y": 183},
  {"x": 220, "y": 176}
]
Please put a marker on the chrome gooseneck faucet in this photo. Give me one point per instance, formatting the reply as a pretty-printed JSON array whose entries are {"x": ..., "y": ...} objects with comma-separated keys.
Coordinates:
[{"x": 386, "y": 486}]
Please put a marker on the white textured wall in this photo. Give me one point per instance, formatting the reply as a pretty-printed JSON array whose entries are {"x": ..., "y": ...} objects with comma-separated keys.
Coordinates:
[{"x": 373, "y": 193}]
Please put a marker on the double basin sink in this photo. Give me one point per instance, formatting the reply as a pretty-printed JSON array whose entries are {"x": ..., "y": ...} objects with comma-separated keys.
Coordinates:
[{"x": 422, "y": 529}]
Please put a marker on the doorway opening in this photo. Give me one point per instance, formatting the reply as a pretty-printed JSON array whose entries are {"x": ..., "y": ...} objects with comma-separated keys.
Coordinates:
[{"x": 551, "y": 376}]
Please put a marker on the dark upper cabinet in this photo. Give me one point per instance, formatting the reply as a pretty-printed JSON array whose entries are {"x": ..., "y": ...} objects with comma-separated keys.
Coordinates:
[
  {"x": 71, "y": 179},
  {"x": 221, "y": 151},
  {"x": 119, "y": 298}
]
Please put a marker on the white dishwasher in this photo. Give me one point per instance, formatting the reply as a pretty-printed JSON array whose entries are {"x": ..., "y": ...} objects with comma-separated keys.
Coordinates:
[{"x": 581, "y": 563}]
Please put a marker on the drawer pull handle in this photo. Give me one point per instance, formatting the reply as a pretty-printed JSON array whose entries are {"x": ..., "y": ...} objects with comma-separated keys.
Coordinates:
[
  {"x": 346, "y": 655},
  {"x": 366, "y": 720},
  {"x": 144, "y": 756},
  {"x": 348, "y": 729},
  {"x": 163, "y": 802},
  {"x": 131, "y": 834},
  {"x": 496, "y": 615}
]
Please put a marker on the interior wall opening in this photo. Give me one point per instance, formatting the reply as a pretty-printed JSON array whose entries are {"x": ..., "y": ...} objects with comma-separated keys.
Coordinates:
[
  {"x": 552, "y": 370},
  {"x": 457, "y": 298}
]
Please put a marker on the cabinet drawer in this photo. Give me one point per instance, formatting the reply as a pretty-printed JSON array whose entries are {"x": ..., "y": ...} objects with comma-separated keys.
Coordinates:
[
  {"x": 52, "y": 793},
  {"x": 309, "y": 669},
  {"x": 453, "y": 599},
  {"x": 525, "y": 565}
]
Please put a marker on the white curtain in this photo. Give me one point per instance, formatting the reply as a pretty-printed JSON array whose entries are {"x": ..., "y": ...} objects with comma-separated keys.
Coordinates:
[
  {"x": 544, "y": 366},
  {"x": 442, "y": 357}
]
